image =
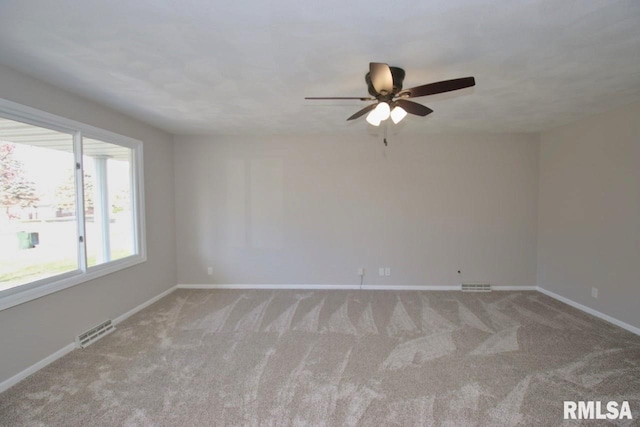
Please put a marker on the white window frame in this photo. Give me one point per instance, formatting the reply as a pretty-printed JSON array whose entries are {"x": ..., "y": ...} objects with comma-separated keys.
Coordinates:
[{"x": 39, "y": 288}]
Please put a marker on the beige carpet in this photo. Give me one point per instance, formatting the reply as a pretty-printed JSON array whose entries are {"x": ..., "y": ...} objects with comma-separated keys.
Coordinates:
[{"x": 280, "y": 358}]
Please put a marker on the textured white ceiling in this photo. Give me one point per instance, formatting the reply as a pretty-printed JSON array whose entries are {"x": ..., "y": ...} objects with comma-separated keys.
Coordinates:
[{"x": 237, "y": 67}]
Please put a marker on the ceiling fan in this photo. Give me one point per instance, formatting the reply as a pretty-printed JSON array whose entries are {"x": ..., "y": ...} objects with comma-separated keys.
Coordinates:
[{"x": 385, "y": 87}]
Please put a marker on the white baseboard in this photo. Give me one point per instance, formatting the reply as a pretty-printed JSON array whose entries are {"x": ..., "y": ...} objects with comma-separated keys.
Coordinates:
[
  {"x": 514, "y": 288},
  {"x": 265, "y": 286},
  {"x": 345, "y": 287},
  {"x": 410, "y": 288},
  {"x": 143, "y": 305},
  {"x": 318, "y": 286},
  {"x": 591, "y": 311},
  {"x": 6, "y": 384}
]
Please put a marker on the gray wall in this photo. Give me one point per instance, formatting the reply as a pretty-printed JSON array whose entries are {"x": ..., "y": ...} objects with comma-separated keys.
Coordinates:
[
  {"x": 589, "y": 212},
  {"x": 34, "y": 330},
  {"x": 313, "y": 210}
]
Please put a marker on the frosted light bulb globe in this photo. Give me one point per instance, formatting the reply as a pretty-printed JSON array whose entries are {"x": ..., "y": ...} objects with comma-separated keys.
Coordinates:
[
  {"x": 373, "y": 118},
  {"x": 382, "y": 111},
  {"x": 398, "y": 114}
]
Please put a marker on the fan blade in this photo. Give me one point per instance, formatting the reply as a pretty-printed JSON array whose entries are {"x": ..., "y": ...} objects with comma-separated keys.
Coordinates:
[
  {"x": 440, "y": 87},
  {"x": 340, "y": 97},
  {"x": 414, "y": 107},
  {"x": 381, "y": 77},
  {"x": 362, "y": 112}
]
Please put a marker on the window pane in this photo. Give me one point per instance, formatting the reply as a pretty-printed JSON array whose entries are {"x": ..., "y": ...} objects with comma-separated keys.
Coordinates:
[
  {"x": 38, "y": 226},
  {"x": 108, "y": 201}
]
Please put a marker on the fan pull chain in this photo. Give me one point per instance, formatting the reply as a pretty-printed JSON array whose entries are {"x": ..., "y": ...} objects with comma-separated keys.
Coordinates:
[{"x": 385, "y": 134}]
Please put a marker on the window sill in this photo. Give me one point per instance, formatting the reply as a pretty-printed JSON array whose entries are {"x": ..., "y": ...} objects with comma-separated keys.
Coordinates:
[{"x": 34, "y": 290}]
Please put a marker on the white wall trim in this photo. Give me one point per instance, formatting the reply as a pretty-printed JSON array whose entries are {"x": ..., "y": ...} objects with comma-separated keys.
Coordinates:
[
  {"x": 591, "y": 311},
  {"x": 411, "y": 288},
  {"x": 345, "y": 287},
  {"x": 266, "y": 286},
  {"x": 6, "y": 384},
  {"x": 34, "y": 290},
  {"x": 36, "y": 367},
  {"x": 514, "y": 288},
  {"x": 142, "y": 306}
]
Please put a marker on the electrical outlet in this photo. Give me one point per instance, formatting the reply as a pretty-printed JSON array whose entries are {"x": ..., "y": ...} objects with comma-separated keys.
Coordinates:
[
  {"x": 210, "y": 271},
  {"x": 594, "y": 292},
  {"x": 387, "y": 271},
  {"x": 381, "y": 271},
  {"x": 361, "y": 272}
]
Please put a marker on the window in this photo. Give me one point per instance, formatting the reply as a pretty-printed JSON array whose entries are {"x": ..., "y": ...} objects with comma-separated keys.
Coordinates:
[
  {"x": 70, "y": 203},
  {"x": 36, "y": 184},
  {"x": 107, "y": 201}
]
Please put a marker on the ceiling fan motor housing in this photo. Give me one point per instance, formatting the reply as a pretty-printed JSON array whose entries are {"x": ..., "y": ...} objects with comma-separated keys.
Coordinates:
[{"x": 398, "y": 78}]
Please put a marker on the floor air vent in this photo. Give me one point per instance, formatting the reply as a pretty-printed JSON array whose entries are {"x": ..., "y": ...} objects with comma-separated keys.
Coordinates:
[
  {"x": 94, "y": 334},
  {"x": 476, "y": 287}
]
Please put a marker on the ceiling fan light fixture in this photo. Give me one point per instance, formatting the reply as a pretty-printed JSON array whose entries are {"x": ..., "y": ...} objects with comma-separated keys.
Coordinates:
[
  {"x": 384, "y": 84},
  {"x": 373, "y": 118},
  {"x": 382, "y": 111},
  {"x": 397, "y": 114}
]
